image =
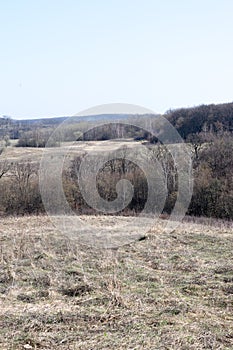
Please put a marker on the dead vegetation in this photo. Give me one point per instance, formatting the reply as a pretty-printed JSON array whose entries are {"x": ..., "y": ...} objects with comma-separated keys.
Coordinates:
[{"x": 170, "y": 291}]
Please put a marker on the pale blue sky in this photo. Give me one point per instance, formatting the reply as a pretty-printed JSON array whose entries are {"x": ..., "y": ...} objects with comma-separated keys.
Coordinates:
[{"x": 60, "y": 57}]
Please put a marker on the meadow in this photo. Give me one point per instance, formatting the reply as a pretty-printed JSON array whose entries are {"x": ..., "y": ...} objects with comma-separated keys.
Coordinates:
[
  {"x": 166, "y": 291},
  {"x": 159, "y": 290}
]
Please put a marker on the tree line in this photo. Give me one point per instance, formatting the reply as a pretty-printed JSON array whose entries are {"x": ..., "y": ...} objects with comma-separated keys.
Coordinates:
[{"x": 213, "y": 119}]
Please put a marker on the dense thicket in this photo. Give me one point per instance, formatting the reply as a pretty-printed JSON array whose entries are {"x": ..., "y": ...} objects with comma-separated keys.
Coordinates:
[{"x": 213, "y": 185}]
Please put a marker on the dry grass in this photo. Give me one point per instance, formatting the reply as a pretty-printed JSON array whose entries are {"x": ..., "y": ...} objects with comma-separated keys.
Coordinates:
[
  {"x": 72, "y": 148},
  {"x": 170, "y": 291}
]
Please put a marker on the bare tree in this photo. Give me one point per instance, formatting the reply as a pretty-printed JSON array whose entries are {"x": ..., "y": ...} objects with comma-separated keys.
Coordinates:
[
  {"x": 23, "y": 174},
  {"x": 4, "y": 166}
]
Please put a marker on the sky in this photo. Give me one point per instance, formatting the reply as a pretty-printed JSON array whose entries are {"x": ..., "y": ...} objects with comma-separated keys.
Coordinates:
[{"x": 59, "y": 57}]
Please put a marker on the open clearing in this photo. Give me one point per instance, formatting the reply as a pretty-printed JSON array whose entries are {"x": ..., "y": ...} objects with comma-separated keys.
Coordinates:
[
  {"x": 169, "y": 291},
  {"x": 69, "y": 148}
]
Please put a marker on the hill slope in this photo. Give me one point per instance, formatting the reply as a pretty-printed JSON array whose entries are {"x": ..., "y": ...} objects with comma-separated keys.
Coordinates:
[
  {"x": 207, "y": 118},
  {"x": 170, "y": 291}
]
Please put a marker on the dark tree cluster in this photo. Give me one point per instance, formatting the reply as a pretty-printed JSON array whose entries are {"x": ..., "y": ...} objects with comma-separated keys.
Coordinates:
[{"x": 212, "y": 118}]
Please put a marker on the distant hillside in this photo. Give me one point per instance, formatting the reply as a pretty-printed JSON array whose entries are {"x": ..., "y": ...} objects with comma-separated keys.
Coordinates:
[
  {"x": 207, "y": 118},
  {"x": 15, "y": 128},
  {"x": 41, "y": 121},
  {"x": 58, "y": 120}
]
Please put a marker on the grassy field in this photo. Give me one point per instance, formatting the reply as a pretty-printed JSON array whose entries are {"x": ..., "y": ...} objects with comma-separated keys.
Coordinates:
[
  {"x": 13, "y": 153},
  {"x": 169, "y": 291}
]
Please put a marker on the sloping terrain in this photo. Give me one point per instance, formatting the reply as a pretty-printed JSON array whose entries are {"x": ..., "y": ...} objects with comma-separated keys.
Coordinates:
[{"x": 168, "y": 291}]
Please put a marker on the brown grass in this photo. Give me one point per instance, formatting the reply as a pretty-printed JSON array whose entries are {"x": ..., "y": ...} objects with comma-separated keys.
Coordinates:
[
  {"x": 13, "y": 153},
  {"x": 170, "y": 291}
]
